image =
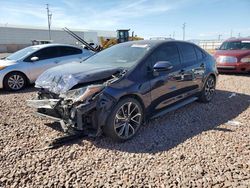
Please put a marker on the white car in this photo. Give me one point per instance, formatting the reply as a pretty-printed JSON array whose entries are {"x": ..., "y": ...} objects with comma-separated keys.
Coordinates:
[{"x": 24, "y": 66}]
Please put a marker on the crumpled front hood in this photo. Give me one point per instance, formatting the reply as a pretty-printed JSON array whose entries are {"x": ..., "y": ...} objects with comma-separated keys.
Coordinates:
[
  {"x": 5, "y": 62},
  {"x": 62, "y": 78}
]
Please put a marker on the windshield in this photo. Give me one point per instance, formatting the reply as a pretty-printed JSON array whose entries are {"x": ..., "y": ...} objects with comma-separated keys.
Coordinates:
[
  {"x": 121, "y": 55},
  {"x": 22, "y": 53},
  {"x": 235, "y": 45}
]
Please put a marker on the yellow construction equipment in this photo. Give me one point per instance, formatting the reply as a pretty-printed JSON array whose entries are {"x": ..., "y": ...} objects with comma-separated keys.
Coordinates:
[{"x": 122, "y": 36}]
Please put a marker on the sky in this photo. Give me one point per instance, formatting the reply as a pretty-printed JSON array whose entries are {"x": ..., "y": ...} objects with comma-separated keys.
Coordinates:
[{"x": 205, "y": 19}]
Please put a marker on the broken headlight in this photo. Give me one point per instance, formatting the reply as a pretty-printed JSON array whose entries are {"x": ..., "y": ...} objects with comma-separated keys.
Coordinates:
[{"x": 81, "y": 94}]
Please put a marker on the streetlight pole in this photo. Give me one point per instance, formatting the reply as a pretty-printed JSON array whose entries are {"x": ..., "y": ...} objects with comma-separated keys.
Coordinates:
[
  {"x": 184, "y": 28},
  {"x": 49, "y": 14},
  {"x": 219, "y": 36}
]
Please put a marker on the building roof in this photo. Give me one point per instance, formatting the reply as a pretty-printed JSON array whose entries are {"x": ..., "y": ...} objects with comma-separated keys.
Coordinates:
[{"x": 99, "y": 32}]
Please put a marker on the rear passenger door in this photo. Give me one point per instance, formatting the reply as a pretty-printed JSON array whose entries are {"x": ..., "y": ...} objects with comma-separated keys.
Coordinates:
[
  {"x": 69, "y": 54},
  {"x": 192, "y": 68}
]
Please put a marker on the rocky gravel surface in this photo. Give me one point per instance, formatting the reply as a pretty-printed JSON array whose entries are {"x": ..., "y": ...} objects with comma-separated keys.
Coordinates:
[{"x": 200, "y": 145}]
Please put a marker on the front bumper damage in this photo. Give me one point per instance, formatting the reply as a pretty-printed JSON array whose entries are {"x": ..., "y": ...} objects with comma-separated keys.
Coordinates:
[
  {"x": 88, "y": 116},
  {"x": 83, "y": 109}
]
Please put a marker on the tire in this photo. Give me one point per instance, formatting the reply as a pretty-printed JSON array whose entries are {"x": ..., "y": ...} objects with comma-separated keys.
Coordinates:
[
  {"x": 120, "y": 126},
  {"x": 208, "y": 90},
  {"x": 14, "y": 81}
]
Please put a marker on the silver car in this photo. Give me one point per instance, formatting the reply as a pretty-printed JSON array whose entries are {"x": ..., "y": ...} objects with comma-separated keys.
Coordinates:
[{"x": 24, "y": 66}]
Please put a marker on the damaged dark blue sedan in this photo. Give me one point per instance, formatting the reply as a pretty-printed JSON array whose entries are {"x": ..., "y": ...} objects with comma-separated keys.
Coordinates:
[{"x": 117, "y": 89}]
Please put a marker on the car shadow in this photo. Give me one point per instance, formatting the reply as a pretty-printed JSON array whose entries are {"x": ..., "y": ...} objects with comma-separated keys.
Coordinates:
[
  {"x": 176, "y": 127},
  {"x": 28, "y": 89}
]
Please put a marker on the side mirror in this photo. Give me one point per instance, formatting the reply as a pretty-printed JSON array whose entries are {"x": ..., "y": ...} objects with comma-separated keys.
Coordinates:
[
  {"x": 33, "y": 59},
  {"x": 161, "y": 66}
]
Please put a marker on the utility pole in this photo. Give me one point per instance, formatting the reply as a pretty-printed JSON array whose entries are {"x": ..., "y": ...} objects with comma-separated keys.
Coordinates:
[
  {"x": 184, "y": 28},
  {"x": 219, "y": 37},
  {"x": 173, "y": 34},
  {"x": 238, "y": 35},
  {"x": 231, "y": 33},
  {"x": 49, "y": 14}
]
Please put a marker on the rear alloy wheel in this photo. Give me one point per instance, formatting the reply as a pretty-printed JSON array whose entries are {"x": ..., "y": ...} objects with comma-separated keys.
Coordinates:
[
  {"x": 125, "y": 120},
  {"x": 208, "y": 90},
  {"x": 15, "y": 81}
]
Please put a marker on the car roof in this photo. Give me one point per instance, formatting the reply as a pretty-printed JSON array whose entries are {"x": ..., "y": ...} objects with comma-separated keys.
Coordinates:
[
  {"x": 40, "y": 46},
  {"x": 237, "y": 39},
  {"x": 155, "y": 42}
]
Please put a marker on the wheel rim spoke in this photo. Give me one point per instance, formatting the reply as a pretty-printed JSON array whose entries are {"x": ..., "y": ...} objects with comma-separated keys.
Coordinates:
[
  {"x": 119, "y": 117},
  {"x": 132, "y": 111},
  {"x": 120, "y": 133},
  {"x": 123, "y": 112},
  {"x": 133, "y": 118},
  {"x": 126, "y": 130},
  {"x": 117, "y": 126},
  {"x": 132, "y": 128}
]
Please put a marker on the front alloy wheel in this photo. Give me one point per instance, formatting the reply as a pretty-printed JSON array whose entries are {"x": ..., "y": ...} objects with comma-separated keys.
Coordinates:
[
  {"x": 125, "y": 120},
  {"x": 14, "y": 81}
]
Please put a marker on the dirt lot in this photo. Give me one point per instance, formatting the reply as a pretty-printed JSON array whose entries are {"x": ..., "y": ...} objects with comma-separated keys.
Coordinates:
[{"x": 193, "y": 146}]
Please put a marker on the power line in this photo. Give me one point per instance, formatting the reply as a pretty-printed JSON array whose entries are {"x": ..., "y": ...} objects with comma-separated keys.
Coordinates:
[{"x": 49, "y": 14}]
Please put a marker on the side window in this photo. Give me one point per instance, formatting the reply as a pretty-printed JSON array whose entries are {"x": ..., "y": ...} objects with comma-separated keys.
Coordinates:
[
  {"x": 45, "y": 53},
  {"x": 67, "y": 50},
  {"x": 199, "y": 53},
  {"x": 188, "y": 54},
  {"x": 167, "y": 52}
]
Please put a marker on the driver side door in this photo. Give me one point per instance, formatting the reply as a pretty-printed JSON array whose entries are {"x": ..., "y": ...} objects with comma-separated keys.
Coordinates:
[{"x": 166, "y": 86}]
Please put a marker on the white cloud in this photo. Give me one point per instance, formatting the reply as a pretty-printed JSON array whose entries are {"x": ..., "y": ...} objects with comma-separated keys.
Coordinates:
[{"x": 82, "y": 14}]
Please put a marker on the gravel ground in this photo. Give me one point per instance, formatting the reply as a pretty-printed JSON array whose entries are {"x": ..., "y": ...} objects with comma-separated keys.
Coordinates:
[{"x": 194, "y": 146}]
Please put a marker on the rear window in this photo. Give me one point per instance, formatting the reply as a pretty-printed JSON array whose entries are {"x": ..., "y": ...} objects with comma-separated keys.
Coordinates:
[
  {"x": 199, "y": 53},
  {"x": 187, "y": 53},
  {"x": 235, "y": 45},
  {"x": 67, "y": 50}
]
